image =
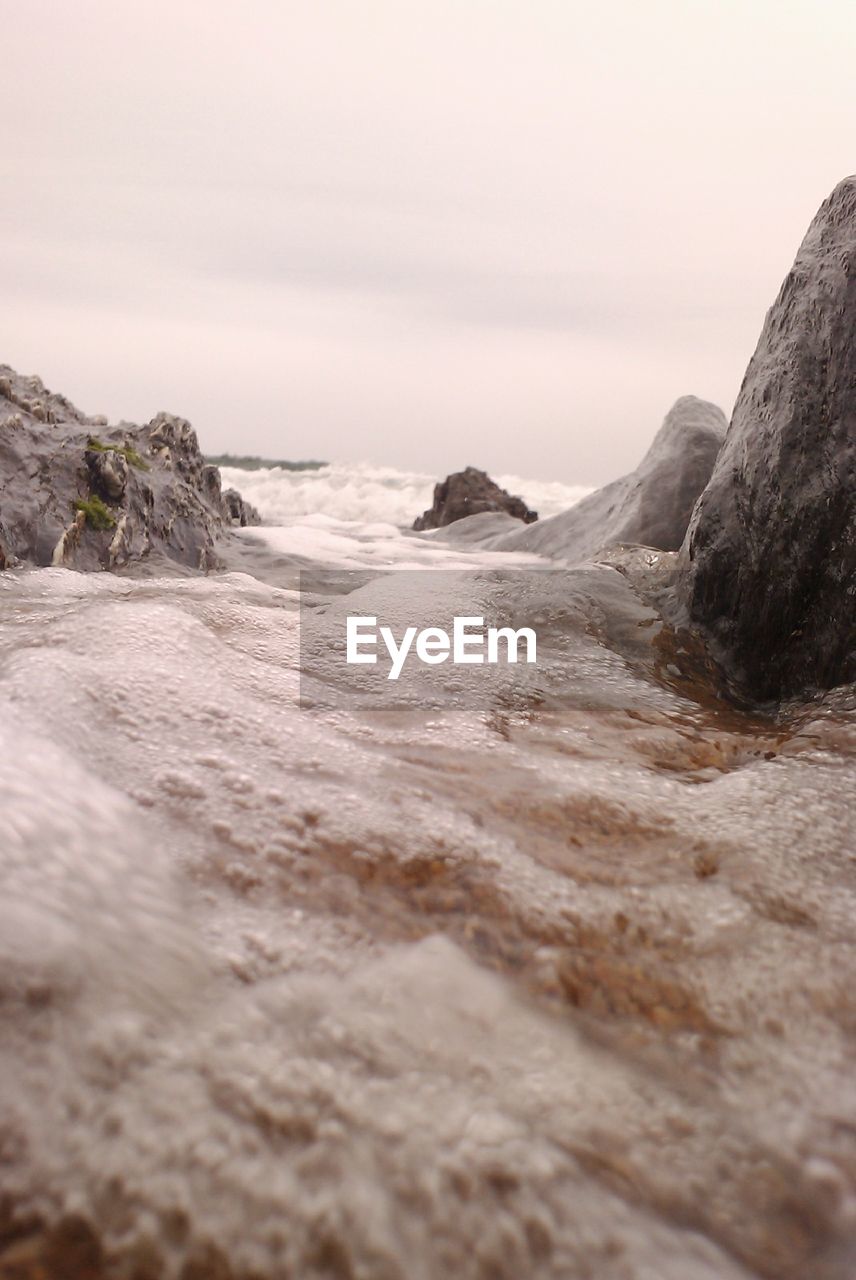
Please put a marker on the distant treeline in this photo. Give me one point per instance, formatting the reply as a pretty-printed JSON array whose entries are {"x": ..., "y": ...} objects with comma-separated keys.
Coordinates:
[{"x": 257, "y": 464}]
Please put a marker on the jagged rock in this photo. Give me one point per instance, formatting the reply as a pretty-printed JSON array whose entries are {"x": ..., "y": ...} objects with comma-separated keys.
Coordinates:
[
  {"x": 770, "y": 556},
  {"x": 210, "y": 485},
  {"x": 467, "y": 493},
  {"x": 108, "y": 472},
  {"x": 74, "y": 492},
  {"x": 651, "y": 506},
  {"x": 239, "y": 512}
]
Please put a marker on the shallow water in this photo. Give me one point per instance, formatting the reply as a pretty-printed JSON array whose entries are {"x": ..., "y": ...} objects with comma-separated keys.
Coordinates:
[{"x": 548, "y": 978}]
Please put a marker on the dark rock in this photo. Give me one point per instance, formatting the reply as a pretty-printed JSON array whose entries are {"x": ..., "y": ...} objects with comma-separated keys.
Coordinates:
[
  {"x": 239, "y": 512},
  {"x": 770, "y": 556},
  {"x": 6, "y": 557},
  {"x": 468, "y": 493},
  {"x": 210, "y": 485},
  {"x": 78, "y": 493},
  {"x": 73, "y": 1251},
  {"x": 651, "y": 506},
  {"x": 108, "y": 472}
]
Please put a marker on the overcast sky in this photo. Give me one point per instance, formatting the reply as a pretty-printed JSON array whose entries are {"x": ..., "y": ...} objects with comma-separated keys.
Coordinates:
[{"x": 505, "y": 232}]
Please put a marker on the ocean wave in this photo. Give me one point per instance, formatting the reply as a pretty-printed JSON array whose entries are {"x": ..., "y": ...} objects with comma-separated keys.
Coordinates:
[{"x": 369, "y": 493}]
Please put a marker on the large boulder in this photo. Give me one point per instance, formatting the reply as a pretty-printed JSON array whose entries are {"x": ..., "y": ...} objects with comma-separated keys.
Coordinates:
[
  {"x": 467, "y": 493},
  {"x": 770, "y": 556},
  {"x": 651, "y": 506},
  {"x": 77, "y": 492}
]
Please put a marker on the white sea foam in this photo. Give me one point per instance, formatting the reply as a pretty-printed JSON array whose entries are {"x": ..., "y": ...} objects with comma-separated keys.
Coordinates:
[
  {"x": 351, "y": 544},
  {"x": 368, "y": 493}
]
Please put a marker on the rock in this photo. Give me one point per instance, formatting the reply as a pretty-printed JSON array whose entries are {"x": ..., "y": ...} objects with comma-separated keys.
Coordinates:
[
  {"x": 108, "y": 473},
  {"x": 7, "y": 560},
  {"x": 210, "y": 485},
  {"x": 467, "y": 493},
  {"x": 769, "y": 562},
  {"x": 480, "y": 530},
  {"x": 651, "y": 506},
  {"x": 77, "y": 493},
  {"x": 239, "y": 512}
]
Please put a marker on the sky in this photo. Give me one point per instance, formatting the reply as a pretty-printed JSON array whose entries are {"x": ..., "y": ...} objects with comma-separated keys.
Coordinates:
[{"x": 424, "y": 233}]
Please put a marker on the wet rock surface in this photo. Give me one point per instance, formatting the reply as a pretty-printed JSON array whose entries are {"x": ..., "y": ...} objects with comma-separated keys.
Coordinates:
[
  {"x": 770, "y": 556},
  {"x": 77, "y": 492},
  {"x": 651, "y": 506},
  {"x": 553, "y": 986},
  {"x": 467, "y": 493}
]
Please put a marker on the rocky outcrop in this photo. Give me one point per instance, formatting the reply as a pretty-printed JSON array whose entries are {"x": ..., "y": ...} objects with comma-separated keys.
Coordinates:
[
  {"x": 651, "y": 506},
  {"x": 770, "y": 556},
  {"x": 240, "y": 512},
  {"x": 77, "y": 492},
  {"x": 467, "y": 493}
]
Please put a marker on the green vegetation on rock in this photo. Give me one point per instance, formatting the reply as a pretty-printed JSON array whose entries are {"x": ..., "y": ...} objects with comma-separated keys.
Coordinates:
[
  {"x": 98, "y": 515},
  {"x": 130, "y": 454}
]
